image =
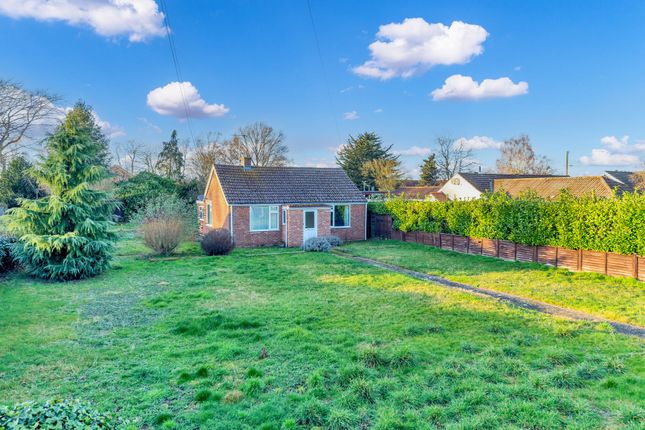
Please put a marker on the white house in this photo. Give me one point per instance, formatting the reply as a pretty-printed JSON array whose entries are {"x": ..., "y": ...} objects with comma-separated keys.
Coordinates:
[{"x": 471, "y": 185}]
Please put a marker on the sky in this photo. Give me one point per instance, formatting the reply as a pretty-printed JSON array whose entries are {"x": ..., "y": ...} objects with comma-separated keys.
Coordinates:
[{"x": 570, "y": 74}]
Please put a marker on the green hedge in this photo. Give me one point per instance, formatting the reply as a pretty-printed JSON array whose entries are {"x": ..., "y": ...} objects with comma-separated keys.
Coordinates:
[{"x": 613, "y": 225}]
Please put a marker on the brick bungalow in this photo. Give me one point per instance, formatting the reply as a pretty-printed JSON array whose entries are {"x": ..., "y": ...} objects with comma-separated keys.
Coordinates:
[{"x": 264, "y": 206}]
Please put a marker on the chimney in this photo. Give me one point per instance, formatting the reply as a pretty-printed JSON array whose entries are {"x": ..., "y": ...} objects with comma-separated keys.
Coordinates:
[{"x": 245, "y": 162}]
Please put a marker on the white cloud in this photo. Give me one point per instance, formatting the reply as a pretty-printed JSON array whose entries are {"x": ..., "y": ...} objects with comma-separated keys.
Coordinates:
[
  {"x": 150, "y": 125},
  {"x": 168, "y": 101},
  {"x": 109, "y": 130},
  {"x": 602, "y": 157},
  {"x": 617, "y": 152},
  {"x": 350, "y": 116},
  {"x": 336, "y": 149},
  {"x": 320, "y": 163},
  {"x": 477, "y": 143},
  {"x": 414, "y": 151},
  {"x": 378, "y": 110},
  {"x": 465, "y": 88},
  {"x": 138, "y": 19},
  {"x": 413, "y": 46}
]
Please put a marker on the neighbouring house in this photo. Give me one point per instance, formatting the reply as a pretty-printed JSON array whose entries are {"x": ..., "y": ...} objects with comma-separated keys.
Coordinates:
[
  {"x": 263, "y": 206},
  {"x": 550, "y": 188},
  {"x": 471, "y": 185},
  {"x": 420, "y": 192}
]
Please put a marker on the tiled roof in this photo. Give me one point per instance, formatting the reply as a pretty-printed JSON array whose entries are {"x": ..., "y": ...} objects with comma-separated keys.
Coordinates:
[
  {"x": 484, "y": 181},
  {"x": 625, "y": 178},
  {"x": 550, "y": 188},
  {"x": 286, "y": 185},
  {"x": 420, "y": 192}
]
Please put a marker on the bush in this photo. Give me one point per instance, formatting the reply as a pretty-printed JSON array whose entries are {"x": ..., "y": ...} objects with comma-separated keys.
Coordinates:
[
  {"x": 162, "y": 236},
  {"x": 217, "y": 242},
  {"x": 317, "y": 244},
  {"x": 333, "y": 240},
  {"x": 589, "y": 222},
  {"x": 63, "y": 414},
  {"x": 135, "y": 193},
  {"x": 164, "y": 222},
  {"x": 7, "y": 260}
]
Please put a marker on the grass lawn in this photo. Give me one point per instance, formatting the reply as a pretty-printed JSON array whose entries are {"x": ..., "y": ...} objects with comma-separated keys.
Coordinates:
[
  {"x": 619, "y": 299},
  {"x": 178, "y": 343}
]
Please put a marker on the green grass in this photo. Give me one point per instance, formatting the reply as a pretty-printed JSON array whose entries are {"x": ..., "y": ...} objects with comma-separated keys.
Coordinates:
[
  {"x": 619, "y": 299},
  {"x": 306, "y": 340}
]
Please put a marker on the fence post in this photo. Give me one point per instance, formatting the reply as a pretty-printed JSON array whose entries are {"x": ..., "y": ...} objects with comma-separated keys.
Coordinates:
[
  {"x": 579, "y": 262},
  {"x": 453, "y": 241},
  {"x": 467, "y": 245},
  {"x": 497, "y": 248},
  {"x": 635, "y": 264},
  {"x": 606, "y": 262},
  {"x": 515, "y": 251},
  {"x": 556, "y": 255}
]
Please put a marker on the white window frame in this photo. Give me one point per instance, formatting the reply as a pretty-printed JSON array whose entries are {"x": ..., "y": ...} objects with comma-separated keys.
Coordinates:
[
  {"x": 349, "y": 216},
  {"x": 272, "y": 209},
  {"x": 209, "y": 214},
  {"x": 284, "y": 216},
  {"x": 200, "y": 212}
]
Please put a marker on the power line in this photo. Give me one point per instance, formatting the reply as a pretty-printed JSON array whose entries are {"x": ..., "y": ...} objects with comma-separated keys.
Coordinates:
[
  {"x": 324, "y": 71},
  {"x": 175, "y": 60}
]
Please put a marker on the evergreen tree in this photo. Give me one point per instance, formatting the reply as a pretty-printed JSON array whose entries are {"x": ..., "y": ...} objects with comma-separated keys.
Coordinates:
[
  {"x": 16, "y": 183},
  {"x": 429, "y": 170},
  {"x": 66, "y": 235},
  {"x": 86, "y": 118},
  {"x": 170, "y": 162},
  {"x": 353, "y": 156}
]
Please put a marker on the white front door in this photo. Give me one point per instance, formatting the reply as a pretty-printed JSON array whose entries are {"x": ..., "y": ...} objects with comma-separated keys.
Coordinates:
[{"x": 310, "y": 228}]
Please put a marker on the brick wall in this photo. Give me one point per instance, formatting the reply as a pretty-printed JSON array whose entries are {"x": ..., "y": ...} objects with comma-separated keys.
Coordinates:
[
  {"x": 245, "y": 238},
  {"x": 294, "y": 224},
  {"x": 357, "y": 229}
]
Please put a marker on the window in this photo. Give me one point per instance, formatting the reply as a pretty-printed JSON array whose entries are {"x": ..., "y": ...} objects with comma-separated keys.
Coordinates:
[
  {"x": 201, "y": 213},
  {"x": 209, "y": 214},
  {"x": 284, "y": 217},
  {"x": 340, "y": 216},
  {"x": 455, "y": 181},
  {"x": 264, "y": 218},
  {"x": 310, "y": 219}
]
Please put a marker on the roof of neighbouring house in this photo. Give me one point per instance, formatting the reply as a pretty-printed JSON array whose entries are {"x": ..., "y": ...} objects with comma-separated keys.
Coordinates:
[
  {"x": 484, "y": 182},
  {"x": 550, "y": 188},
  {"x": 625, "y": 178},
  {"x": 420, "y": 192},
  {"x": 284, "y": 185}
]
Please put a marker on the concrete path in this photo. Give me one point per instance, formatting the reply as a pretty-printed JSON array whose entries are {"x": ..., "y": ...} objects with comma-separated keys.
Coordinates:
[{"x": 534, "y": 305}]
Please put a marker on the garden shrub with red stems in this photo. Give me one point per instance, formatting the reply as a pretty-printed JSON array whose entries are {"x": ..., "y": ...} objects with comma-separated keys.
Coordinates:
[{"x": 217, "y": 242}]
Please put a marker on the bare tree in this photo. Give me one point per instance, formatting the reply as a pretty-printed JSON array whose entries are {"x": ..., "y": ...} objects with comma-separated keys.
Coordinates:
[
  {"x": 21, "y": 113},
  {"x": 518, "y": 157},
  {"x": 386, "y": 173},
  {"x": 149, "y": 160},
  {"x": 452, "y": 157},
  {"x": 262, "y": 143},
  {"x": 207, "y": 152},
  {"x": 132, "y": 157}
]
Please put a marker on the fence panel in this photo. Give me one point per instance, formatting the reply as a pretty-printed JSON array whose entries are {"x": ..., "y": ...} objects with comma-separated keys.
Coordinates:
[{"x": 526, "y": 253}]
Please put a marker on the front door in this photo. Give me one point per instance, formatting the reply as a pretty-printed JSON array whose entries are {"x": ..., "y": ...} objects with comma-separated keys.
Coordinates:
[{"x": 309, "y": 229}]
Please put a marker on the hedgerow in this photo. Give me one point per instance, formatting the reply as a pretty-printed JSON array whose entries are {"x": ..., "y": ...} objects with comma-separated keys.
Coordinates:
[{"x": 589, "y": 222}]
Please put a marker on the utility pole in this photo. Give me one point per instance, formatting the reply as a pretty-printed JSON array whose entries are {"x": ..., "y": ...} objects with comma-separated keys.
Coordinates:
[{"x": 566, "y": 163}]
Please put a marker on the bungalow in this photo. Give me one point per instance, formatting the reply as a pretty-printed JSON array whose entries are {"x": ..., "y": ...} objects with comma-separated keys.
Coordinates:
[
  {"x": 263, "y": 206},
  {"x": 549, "y": 188},
  {"x": 470, "y": 185}
]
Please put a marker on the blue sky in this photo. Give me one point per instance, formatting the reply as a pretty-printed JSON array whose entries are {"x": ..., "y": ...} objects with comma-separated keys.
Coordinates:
[{"x": 568, "y": 74}]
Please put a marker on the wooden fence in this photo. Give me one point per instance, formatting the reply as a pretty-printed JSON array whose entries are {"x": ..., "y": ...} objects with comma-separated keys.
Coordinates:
[{"x": 608, "y": 263}]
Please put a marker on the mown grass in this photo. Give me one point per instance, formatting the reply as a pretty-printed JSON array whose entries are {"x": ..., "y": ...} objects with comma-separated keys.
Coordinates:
[
  {"x": 300, "y": 341},
  {"x": 619, "y": 299}
]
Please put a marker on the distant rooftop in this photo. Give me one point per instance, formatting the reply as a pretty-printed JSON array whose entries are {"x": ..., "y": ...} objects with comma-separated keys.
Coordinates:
[
  {"x": 550, "y": 188},
  {"x": 484, "y": 182}
]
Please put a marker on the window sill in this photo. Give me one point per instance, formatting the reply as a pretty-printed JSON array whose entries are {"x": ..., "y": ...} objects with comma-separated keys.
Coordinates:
[
  {"x": 264, "y": 231},
  {"x": 346, "y": 226}
]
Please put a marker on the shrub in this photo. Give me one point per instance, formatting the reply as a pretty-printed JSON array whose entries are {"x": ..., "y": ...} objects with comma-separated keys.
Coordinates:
[
  {"x": 164, "y": 222},
  {"x": 333, "y": 240},
  {"x": 7, "y": 260},
  {"x": 217, "y": 242},
  {"x": 135, "y": 193},
  {"x": 64, "y": 414},
  {"x": 162, "y": 236},
  {"x": 588, "y": 222},
  {"x": 317, "y": 244}
]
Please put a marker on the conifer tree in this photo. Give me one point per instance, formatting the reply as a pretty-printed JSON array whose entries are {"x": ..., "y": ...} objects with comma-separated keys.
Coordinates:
[
  {"x": 66, "y": 235},
  {"x": 429, "y": 170},
  {"x": 357, "y": 151},
  {"x": 170, "y": 161}
]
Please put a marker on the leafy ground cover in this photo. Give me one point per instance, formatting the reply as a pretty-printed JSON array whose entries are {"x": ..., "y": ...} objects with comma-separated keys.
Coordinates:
[
  {"x": 271, "y": 339},
  {"x": 619, "y": 299}
]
